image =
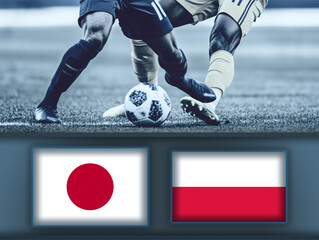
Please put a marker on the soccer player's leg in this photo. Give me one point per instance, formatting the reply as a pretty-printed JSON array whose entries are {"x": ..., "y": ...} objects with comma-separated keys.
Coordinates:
[
  {"x": 97, "y": 26},
  {"x": 224, "y": 39},
  {"x": 144, "y": 60},
  {"x": 176, "y": 13},
  {"x": 174, "y": 62},
  {"x": 233, "y": 22},
  {"x": 145, "y": 65}
]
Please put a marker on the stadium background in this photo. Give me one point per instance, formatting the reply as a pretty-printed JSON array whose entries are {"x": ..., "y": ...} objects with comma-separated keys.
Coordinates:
[{"x": 46, "y": 3}]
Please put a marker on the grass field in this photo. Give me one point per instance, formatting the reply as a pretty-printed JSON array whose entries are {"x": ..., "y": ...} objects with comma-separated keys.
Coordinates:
[{"x": 275, "y": 87}]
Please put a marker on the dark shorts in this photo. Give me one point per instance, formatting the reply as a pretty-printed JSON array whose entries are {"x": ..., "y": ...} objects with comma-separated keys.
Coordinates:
[
  {"x": 91, "y": 6},
  {"x": 139, "y": 19}
]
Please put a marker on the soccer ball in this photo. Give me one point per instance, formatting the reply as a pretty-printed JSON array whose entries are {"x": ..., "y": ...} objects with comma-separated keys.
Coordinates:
[{"x": 147, "y": 105}]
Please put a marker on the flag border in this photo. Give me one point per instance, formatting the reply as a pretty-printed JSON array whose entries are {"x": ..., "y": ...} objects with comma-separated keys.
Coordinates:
[
  {"x": 147, "y": 225},
  {"x": 226, "y": 151}
]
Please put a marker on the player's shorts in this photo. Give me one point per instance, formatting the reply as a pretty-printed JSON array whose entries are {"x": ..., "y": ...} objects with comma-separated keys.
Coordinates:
[
  {"x": 244, "y": 12},
  {"x": 142, "y": 19},
  {"x": 200, "y": 9},
  {"x": 91, "y": 6},
  {"x": 139, "y": 19}
]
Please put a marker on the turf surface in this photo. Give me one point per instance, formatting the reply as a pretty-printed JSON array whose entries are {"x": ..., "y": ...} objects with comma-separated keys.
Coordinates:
[{"x": 275, "y": 87}]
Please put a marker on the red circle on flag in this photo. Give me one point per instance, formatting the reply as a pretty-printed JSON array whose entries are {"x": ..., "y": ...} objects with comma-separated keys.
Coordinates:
[{"x": 90, "y": 186}]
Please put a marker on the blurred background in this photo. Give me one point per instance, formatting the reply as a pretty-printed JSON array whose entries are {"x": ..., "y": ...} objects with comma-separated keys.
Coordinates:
[{"x": 47, "y": 3}]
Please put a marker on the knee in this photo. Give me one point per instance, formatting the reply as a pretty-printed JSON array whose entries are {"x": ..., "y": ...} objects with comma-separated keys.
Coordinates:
[
  {"x": 96, "y": 36},
  {"x": 166, "y": 49},
  {"x": 225, "y": 35},
  {"x": 97, "y": 30}
]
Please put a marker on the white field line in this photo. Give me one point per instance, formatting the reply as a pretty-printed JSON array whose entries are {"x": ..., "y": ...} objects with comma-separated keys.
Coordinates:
[
  {"x": 79, "y": 124},
  {"x": 26, "y": 124},
  {"x": 18, "y": 124},
  {"x": 67, "y": 16}
]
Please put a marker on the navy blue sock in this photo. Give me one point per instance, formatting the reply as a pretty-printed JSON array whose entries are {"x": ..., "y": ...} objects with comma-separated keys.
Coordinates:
[
  {"x": 175, "y": 72},
  {"x": 74, "y": 61}
]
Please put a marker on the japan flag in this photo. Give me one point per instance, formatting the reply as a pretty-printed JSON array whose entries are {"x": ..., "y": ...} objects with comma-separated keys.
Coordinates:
[{"x": 90, "y": 187}]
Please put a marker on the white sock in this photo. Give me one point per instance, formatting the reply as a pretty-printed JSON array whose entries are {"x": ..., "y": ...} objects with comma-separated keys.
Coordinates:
[{"x": 212, "y": 105}]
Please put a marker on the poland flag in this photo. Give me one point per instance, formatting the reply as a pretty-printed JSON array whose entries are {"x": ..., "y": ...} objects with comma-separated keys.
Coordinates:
[
  {"x": 90, "y": 187},
  {"x": 229, "y": 187}
]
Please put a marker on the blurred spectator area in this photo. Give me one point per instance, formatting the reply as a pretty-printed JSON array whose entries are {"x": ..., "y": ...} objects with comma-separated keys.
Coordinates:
[
  {"x": 36, "y": 3},
  {"x": 51, "y": 3}
]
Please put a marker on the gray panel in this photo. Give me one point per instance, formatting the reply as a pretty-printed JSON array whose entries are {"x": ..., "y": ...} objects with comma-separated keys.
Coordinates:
[{"x": 303, "y": 182}]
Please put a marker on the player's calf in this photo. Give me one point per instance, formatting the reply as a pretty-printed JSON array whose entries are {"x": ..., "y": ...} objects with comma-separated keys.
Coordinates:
[
  {"x": 175, "y": 76},
  {"x": 97, "y": 27},
  {"x": 145, "y": 62},
  {"x": 225, "y": 35},
  {"x": 74, "y": 61}
]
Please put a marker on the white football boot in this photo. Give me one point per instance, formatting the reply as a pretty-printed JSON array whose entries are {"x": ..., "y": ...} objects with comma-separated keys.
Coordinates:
[
  {"x": 117, "y": 111},
  {"x": 200, "y": 110}
]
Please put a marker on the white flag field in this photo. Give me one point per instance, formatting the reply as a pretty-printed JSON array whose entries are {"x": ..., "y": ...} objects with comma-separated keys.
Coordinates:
[
  {"x": 229, "y": 187},
  {"x": 90, "y": 186}
]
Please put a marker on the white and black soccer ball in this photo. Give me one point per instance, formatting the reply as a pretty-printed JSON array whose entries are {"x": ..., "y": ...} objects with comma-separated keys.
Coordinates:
[{"x": 147, "y": 105}]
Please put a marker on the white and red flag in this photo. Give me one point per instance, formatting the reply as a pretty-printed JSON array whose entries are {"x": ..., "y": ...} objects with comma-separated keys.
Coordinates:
[
  {"x": 229, "y": 187},
  {"x": 90, "y": 187}
]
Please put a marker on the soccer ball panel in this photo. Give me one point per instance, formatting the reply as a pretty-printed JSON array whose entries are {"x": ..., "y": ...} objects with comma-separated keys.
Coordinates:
[
  {"x": 131, "y": 116},
  {"x": 138, "y": 97},
  {"x": 156, "y": 111}
]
